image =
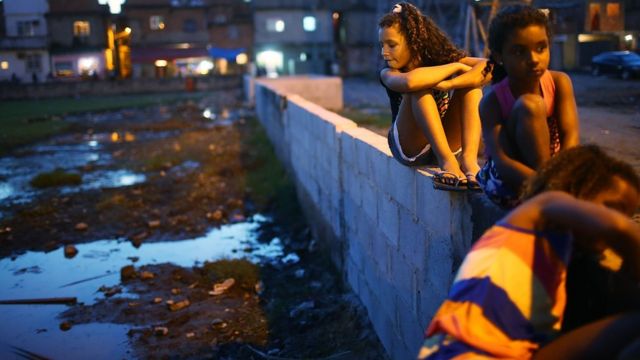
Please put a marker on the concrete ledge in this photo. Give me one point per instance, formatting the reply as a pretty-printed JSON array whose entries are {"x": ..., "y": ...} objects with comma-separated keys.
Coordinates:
[{"x": 397, "y": 241}]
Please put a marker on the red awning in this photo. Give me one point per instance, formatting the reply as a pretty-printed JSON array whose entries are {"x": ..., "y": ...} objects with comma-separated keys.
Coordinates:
[{"x": 150, "y": 55}]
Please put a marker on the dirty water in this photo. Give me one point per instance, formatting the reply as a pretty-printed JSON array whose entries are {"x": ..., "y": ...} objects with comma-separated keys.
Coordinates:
[
  {"x": 32, "y": 275},
  {"x": 165, "y": 190}
]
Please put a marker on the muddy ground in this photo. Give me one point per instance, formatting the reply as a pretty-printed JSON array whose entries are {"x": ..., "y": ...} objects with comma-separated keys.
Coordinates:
[{"x": 202, "y": 171}]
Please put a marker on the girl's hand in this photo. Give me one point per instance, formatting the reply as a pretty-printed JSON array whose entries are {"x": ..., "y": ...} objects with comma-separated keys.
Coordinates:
[
  {"x": 444, "y": 85},
  {"x": 463, "y": 68}
]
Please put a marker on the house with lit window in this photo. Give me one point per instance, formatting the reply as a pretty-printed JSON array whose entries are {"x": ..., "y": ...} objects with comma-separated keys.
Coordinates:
[
  {"x": 230, "y": 27},
  {"x": 24, "y": 54},
  {"x": 78, "y": 39},
  {"x": 169, "y": 37},
  {"x": 584, "y": 28},
  {"x": 294, "y": 37}
]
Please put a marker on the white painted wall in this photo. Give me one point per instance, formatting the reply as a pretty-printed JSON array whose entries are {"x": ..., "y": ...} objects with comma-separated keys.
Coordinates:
[{"x": 398, "y": 241}]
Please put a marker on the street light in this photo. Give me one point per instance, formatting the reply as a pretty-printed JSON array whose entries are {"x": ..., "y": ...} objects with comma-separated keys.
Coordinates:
[{"x": 115, "y": 47}]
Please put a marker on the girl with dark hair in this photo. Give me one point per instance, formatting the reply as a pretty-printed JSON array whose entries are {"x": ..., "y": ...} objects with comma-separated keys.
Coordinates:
[
  {"x": 529, "y": 113},
  {"x": 421, "y": 62},
  {"x": 508, "y": 298}
]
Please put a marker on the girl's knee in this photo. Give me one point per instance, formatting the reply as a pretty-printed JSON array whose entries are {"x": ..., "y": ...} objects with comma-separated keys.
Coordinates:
[{"x": 530, "y": 105}]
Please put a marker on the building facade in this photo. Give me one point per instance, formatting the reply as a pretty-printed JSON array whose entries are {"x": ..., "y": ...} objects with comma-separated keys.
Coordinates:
[
  {"x": 78, "y": 39},
  {"x": 24, "y": 54}
]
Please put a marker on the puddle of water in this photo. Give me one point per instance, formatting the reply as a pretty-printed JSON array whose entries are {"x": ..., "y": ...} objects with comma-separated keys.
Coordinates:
[
  {"x": 17, "y": 172},
  {"x": 46, "y": 275}
]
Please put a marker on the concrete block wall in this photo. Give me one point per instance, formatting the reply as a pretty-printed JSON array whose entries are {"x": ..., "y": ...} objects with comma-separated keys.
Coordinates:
[{"x": 396, "y": 239}]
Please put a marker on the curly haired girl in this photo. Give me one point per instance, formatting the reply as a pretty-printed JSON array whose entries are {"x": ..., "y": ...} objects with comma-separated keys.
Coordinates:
[
  {"x": 508, "y": 298},
  {"x": 529, "y": 113},
  {"x": 421, "y": 62}
]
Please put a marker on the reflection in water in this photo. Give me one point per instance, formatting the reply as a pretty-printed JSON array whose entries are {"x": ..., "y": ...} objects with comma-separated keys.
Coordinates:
[
  {"x": 44, "y": 275},
  {"x": 6, "y": 190}
]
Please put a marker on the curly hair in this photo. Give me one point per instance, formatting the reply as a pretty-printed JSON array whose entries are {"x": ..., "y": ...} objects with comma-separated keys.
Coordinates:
[
  {"x": 582, "y": 171},
  {"x": 510, "y": 18},
  {"x": 428, "y": 44}
]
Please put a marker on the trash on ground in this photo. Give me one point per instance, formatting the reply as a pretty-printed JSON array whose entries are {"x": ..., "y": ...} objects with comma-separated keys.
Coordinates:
[
  {"x": 70, "y": 251},
  {"x": 220, "y": 288}
]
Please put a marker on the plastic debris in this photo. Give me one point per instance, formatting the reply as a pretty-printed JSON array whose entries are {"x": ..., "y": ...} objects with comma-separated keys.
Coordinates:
[
  {"x": 146, "y": 275},
  {"x": 221, "y": 288},
  {"x": 70, "y": 251},
  {"x": 81, "y": 226},
  {"x": 307, "y": 305},
  {"x": 160, "y": 330},
  {"x": 175, "y": 306}
]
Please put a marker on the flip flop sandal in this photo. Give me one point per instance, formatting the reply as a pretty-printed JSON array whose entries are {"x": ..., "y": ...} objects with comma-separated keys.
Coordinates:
[
  {"x": 448, "y": 181},
  {"x": 472, "y": 182}
]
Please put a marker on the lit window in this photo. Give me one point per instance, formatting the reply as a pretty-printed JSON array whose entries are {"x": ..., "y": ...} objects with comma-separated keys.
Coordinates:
[
  {"x": 4, "y": 65},
  {"x": 309, "y": 23},
  {"x": 81, "y": 28},
  {"x": 613, "y": 9},
  {"x": 303, "y": 56},
  {"x": 275, "y": 25},
  {"x": 156, "y": 22}
]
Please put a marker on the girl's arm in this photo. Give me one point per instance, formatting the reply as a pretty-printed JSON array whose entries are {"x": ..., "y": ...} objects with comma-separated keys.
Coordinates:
[
  {"x": 590, "y": 222},
  {"x": 566, "y": 110},
  {"x": 470, "y": 79},
  {"x": 420, "y": 78},
  {"x": 497, "y": 143}
]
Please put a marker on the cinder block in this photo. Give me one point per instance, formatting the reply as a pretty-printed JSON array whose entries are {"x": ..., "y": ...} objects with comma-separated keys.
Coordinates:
[
  {"x": 369, "y": 200},
  {"x": 401, "y": 350},
  {"x": 367, "y": 230},
  {"x": 381, "y": 253},
  {"x": 381, "y": 176},
  {"x": 429, "y": 301},
  {"x": 409, "y": 329},
  {"x": 347, "y": 142},
  {"x": 412, "y": 240},
  {"x": 433, "y": 207},
  {"x": 403, "y": 276},
  {"x": 383, "y": 326},
  {"x": 388, "y": 221},
  {"x": 353, "y": 275},
  {"x": 440, "y": 263},
  {"x": 351, "y": 183},
  {"x": 402, "y": 184}
]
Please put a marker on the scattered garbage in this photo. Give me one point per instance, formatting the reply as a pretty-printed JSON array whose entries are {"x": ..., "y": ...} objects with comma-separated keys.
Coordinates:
[
  {"x": 65, "y": 326},
  {"x": 175, "y": 306},
  {"x": 299, "y": 273},
  {"x": 157, "y": 300},
  {"x": 307, "y": 305},
  {"x": 160, "y": 330},
  {"x": 290, "y": 259},
  {"x": 109, "y": 291},
  {"x": 127, "y": 272},
  {"x": 259, "y": 287},
  {"x": 146, "y": 275},
  {"x": 153, "y": 224},
  {"x": 221, "y": 288},
  {"x": 70, "y": 251},
  {"x": 81, "y": 226}
]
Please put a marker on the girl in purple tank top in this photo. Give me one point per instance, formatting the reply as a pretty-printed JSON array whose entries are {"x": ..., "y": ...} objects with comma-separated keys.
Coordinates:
[{"x": 529, "y": 113}]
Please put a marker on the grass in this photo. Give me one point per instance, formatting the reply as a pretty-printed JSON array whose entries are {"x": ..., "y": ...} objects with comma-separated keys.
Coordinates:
[
  {"x": 26, "y": 121},
  {"x": 57, "y": 177},
  {"x": 378, "y": 118},
  {"x": 266, "y": 177}
]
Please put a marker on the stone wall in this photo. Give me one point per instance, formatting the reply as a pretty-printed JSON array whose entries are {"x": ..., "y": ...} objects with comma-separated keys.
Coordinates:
[
  {"x": 11, "y": 91},
  {"x": 397, "y": 241}
]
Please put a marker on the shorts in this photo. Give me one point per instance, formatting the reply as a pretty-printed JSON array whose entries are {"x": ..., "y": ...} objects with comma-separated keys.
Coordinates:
[
  {"x": 495, "y": 188},
  {"x": 425, "y": 157}
]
